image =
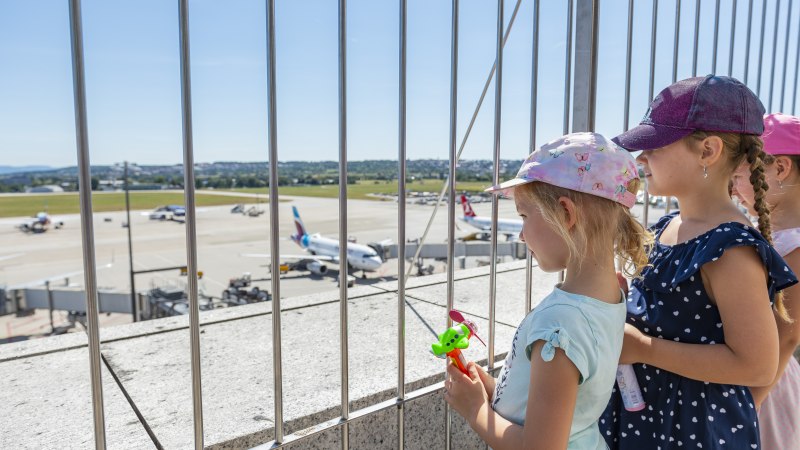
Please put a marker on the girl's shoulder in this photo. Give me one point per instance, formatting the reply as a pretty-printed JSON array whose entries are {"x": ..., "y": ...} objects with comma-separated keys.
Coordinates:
[{"x": 674, "y": 264}]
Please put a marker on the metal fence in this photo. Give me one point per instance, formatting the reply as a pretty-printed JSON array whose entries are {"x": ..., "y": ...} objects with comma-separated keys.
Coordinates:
[{"x": 578, "y": 115}]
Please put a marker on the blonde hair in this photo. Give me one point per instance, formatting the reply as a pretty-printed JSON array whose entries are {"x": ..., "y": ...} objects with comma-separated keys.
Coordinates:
[
  {"x": 598, "y": 222},
  {"x": 746, "y": 147}
]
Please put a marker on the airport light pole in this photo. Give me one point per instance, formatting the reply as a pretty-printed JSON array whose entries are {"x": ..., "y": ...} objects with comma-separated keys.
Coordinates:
[{"x": 130, "y": 246}]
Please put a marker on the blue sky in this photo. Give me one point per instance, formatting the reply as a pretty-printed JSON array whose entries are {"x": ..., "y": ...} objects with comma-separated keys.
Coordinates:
[{"x": 133, "y": 85}]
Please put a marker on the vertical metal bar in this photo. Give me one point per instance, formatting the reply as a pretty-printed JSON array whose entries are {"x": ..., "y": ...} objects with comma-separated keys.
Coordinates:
[
  {"x": 532, "y": 146},
  {"x": 786, "y": 52},
  {"x": 568, "y": 67},
  {"x": 651, "y": 87},
  {"x": 274, "y": 239},
  {"x": 585, "y": 84},
  {"x": 733, "y": 39},
  {"x": 761, "y": 49},
  {"x": 716, "y": 39},
  {"x": 87, "y": 226},
  {"x": 567, "y": 83},
  {"x": 627, "y": 110},
  {"x": 451, "y": 188},
  {"x": 343, "y": 264},
  {"x": 134, "y": 312},
  {"x": 191, "y": 223},
  {"x": 676, "y": 40},
  {"x": 774, "y": 52},
  {"x": 747, "y": 45},
  {"x": 696, "y": 37},
  {"x": 50, "y": 306},
  {"x": 675, "y": 66},
  {"x": 796, "y": 70},
  {"x": 401, "y": 229},
  {"x": 498, "y": 97}
]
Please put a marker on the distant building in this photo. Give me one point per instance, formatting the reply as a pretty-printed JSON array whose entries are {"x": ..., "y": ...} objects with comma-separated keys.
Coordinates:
[{"x": 44, "y": 189}]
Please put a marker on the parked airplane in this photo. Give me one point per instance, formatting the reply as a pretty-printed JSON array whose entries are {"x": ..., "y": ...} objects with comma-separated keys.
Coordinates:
[
  {"x": 508, "y": 227},
  {"x": 40, "y": 223},
  {"x": 323, "y": 250}
]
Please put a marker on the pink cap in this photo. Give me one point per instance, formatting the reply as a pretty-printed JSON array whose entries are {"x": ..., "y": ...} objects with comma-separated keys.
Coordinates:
[
  {"x": 583, "y": 162},
  {"x": 781, "y": 134}
]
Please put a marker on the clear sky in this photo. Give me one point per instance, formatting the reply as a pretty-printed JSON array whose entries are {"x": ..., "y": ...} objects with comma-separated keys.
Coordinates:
[{"x": 133, "y": 84}]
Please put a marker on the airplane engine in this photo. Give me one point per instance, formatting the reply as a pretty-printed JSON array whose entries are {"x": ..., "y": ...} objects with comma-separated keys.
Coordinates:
[{"x": 317, "y": 268}]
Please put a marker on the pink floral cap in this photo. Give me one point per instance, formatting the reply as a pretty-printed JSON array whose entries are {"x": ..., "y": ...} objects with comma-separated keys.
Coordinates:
[
  {"x": 583, "y": 162},
  {"x": 781, "y": 134}
]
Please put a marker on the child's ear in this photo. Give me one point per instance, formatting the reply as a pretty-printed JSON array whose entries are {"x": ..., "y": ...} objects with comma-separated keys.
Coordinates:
[
  {"x": 711, "y": 150},
  {"x": 570, "y": 212},
  {"x": 783, "y": 165}
]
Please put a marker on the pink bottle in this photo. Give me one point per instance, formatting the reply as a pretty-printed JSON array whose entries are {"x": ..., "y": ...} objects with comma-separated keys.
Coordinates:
[{"x": 632, "y": 397}]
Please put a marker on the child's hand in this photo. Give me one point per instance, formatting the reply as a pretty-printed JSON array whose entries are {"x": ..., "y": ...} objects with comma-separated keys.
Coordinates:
[
  {"x": 489, "y": 382},
  {"x": 465, "y": 394},
  {"x": 634, "y": 345}
]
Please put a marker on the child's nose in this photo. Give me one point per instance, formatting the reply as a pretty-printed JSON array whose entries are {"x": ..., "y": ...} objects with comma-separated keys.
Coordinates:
[{"x": 521, "y": 237}]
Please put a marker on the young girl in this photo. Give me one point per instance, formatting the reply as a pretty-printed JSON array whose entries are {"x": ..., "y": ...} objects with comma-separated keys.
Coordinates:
[
  {"x": 574, "y": 195},
  {"x": 700, "y": 323},
  {"x": 779, "y": 416}
]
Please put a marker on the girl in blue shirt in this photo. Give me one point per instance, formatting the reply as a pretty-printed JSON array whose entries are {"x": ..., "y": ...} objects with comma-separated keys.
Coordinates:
[{"x": 574, "y": 195}]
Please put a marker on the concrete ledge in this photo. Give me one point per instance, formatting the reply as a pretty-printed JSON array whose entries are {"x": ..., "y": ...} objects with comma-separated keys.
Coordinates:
[
  {"x": 46, "y": 403},
  {"x": 151, "y": 361}
]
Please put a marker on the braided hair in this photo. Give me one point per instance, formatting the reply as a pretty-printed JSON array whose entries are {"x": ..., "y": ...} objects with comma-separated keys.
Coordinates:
[{"x": 741, "y": 147}]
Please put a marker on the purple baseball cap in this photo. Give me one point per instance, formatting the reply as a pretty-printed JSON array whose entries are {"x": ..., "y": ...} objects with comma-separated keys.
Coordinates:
[{"x": 710, "y": 103}]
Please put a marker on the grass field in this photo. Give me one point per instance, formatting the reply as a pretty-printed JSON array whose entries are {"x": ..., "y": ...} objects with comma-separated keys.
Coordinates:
[
  {"x": 361, "y": 189},
  {"x": 28, "y": 205}
]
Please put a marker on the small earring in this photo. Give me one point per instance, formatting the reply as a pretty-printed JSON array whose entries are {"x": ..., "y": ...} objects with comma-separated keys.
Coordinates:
[
  {"x": 705, "y": 172},
  {"x": 780, "y": 184}
]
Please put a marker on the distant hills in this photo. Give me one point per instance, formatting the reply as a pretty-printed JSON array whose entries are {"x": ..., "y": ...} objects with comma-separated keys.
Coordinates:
[
  {"x": 23, "y": 169},
  {"x": 228, "y": 174}
]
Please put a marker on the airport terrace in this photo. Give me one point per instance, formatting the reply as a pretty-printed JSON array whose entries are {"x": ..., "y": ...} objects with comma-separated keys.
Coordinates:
[{"x": 346, "y": 368}]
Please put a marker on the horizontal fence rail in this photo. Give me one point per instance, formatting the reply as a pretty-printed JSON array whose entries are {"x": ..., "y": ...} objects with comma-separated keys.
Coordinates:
[{"x": 582, "y": 37}]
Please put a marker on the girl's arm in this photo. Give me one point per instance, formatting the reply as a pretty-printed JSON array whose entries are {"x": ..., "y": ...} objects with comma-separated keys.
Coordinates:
[
  {"x": 551, "y": 401},
  {"x": 788, "y": 333},
  {"x": 749, "y": 356}
]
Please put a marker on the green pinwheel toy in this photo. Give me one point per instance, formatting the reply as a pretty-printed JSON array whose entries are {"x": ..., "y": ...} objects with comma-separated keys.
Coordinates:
[{"x": 455, "y": 339}]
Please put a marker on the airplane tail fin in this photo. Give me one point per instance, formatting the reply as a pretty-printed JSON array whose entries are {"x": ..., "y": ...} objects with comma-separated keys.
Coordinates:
[
  {"x": 298, "y": 223},
  {"x": 468, "y": 212}
]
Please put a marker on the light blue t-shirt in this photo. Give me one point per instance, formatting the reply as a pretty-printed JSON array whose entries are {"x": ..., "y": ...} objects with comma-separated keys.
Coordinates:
[{"x": 590, "y": 332}]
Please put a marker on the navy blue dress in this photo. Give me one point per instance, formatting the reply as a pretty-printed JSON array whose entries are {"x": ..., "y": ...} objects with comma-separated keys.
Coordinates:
[{"x": 670, "y": 302}]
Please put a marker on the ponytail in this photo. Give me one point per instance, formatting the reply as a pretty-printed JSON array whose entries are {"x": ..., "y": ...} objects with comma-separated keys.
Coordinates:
[
  {"x": 741, "y": 147},
  {"x": 753, "y": 148}
]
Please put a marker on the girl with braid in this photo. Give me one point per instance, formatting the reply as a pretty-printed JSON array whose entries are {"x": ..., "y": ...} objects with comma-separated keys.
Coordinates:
[
  {"x": 700, "y": 326},
  {"x": 779, "y": 416}
]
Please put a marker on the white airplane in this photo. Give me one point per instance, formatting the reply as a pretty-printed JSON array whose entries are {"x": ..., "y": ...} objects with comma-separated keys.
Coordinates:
[
  {"x": 323, "y": 250},
  {"x": 40, "y": 223},
  {"x": 508, "y": 227}
]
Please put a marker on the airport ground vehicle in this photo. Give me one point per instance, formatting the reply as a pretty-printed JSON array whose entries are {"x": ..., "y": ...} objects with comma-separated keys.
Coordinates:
[
  {"x": 240, "y": 292},
  {"x": 168, "y": 212}
]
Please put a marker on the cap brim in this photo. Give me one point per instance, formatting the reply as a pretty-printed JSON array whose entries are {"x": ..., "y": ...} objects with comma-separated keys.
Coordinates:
[
  {"x": 649, "y": 137},
  {"x": 507, "y": 187}
]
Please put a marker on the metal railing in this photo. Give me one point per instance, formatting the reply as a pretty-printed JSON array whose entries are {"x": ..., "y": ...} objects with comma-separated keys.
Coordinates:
[{"x": 579, "y": 112}]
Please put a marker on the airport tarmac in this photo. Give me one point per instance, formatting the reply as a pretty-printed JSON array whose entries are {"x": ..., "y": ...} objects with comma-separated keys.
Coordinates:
[{"x": 223, "y": 239}]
